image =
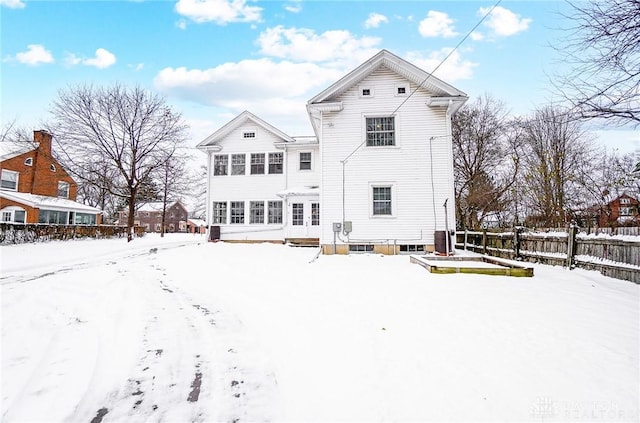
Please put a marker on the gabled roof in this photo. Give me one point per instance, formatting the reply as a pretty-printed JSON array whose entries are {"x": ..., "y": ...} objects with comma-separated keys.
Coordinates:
[
  {"x": 46, "y": 202},
  {"x": 237, "y": 122},
  {"x": 400, "y": 66}
]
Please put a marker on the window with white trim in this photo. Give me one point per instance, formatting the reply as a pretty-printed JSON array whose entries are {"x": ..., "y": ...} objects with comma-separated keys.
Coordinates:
[
  {"x": 257, "y": 164},
  {"x": 52, "y": 167},
  {"x": 237, "y": 212},
  {"x": 256, "y": 212},
  {"x": 276, "y": 161},
  {"x": 382, "y": 201},
  {"x": 63, "y": 189},
  {"x": 219, "y": 213},
  {"x": 28, "y": 161},
  {"x": 9, "y": 180},
  {"x": 625, "y": 201},
  {"x": 401, "y": 90},
  {"x": 305, "y": 161},
  {"x": 274, "y": 211},
  {"x": 237, "y": 164},
  {"x": 380, "y": 131},
  {"x": 249, "y": 135},
  {"x": 220, "y": 164}
]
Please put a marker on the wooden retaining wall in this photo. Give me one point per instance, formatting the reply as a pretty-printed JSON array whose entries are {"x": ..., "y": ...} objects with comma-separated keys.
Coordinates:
[{"x": 614, "y": 257}]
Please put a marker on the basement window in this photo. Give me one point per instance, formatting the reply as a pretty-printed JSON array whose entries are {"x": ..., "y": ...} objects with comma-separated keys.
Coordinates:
[
  {"x": 360, "y": 248},
  {"x": 411, "y": 248}
]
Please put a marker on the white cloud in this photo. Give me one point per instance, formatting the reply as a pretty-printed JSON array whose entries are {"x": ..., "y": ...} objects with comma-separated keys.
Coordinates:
[
  {"x": 71, "y": 59},
  {"x": 504, "y": 22},
  {"x": 12, "y": 4},
  {"x": 437, "y": 24},
  {"x": 374, "y": 20},
  {"x": 35, "y": 55},
  {"x": 299, "y": 44},
  {"x": 136, "y": 67},
  {"x": 453, "y": 69},
  {"x": 102, "y": 60},
  {"x": 219, "y": 11},
  {"x": 182, "y": 24},
  {"x": 275, "y": 91},
  {"x": 477, "y": 36},
  {"x": 295, "y": 6}
]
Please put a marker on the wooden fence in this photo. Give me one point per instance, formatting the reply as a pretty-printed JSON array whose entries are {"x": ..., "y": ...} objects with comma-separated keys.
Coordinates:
[
  {"x": 15, "y": 233},
  {"x": 615, "y": 257}
]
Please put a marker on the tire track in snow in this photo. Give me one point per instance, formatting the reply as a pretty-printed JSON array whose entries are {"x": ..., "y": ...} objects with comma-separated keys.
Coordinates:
[{"x": 194, "y": 365}]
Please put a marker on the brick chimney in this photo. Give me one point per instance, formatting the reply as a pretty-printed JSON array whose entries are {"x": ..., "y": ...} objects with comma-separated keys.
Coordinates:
[{"x": 43, "y": 138}]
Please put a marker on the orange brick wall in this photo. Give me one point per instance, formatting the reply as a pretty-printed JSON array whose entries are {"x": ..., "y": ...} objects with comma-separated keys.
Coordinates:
[
  {"x": 39, "y": 178},
  {"x": 32, "y": 214}
]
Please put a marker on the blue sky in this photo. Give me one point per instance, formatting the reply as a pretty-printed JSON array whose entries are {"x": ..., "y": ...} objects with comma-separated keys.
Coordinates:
[{"x": 212, "y": 59}]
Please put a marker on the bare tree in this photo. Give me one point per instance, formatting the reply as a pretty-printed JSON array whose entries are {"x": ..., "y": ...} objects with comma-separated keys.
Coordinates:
[
  {"x": 485, "y": 161},
  {"x": 130, "y": 130},
  {"x": 175, "y": 181},
  {"x": 557, "y": 158},
  {"x": 602, "y": 48}
]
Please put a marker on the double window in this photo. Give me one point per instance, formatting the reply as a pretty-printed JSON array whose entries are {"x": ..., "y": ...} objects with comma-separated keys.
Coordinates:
[
  {"x": 380, "y": 131},
  {"x": 9, "y": 180},
  {"x": 220, "y": 164},
  {"x": 13, "y": 214}
]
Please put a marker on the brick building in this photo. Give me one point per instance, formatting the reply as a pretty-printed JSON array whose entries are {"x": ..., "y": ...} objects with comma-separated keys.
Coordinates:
[
  {"x": 35, "y": 188},
  {"x": 149, "y": 216}
]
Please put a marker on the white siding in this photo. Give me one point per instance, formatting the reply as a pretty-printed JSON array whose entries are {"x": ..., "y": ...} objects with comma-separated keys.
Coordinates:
[
  {"x": 407, "y": 166},
  {"x": 248, "y": 187}
]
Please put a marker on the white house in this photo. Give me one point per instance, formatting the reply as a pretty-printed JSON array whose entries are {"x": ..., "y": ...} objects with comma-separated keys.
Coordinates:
[
  {"x": 384, "y": 132},
  {"x": 263, "y": 185},
  {"x": 377, "y": 175}
]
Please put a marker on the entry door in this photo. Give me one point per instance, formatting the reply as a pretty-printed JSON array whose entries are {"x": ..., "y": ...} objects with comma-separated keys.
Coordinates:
[{"x": 304, "y": 219}]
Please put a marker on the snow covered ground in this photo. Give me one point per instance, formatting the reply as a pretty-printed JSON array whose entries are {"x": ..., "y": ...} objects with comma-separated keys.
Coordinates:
[{"x": 177, "y": 329}]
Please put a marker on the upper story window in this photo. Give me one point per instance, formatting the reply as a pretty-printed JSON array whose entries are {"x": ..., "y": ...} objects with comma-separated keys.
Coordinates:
[
  {"x": 249, "y": 135},
  {"x": 380, "y": 131},
  {"x": 257, "y": 164},
  {"x": 365, "y": 92},
  {"x": 625, "y": 201},
  {"x": 237, "y": 164},
  {"x": 401, "y": 90},
  {"x": 220, "y": 164},
  {"x": 275, "y": 163},
  {"x": 28, "y": 161},
  {"x": 52, "y": 167},
  {"x": 305, "y": 161},
  {"x": 9, "y": 180},
  {"x": 63, "y": 189}
]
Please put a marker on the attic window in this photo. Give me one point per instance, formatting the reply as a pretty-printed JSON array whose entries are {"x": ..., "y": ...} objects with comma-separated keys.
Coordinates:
[
  {"x": 249, "y": 134},
  {"x": 52, "y": 167},
  {"x": 28, "y": 161},
  {"x": 402, "y": 90},
  {"x": 366, "y": 92}
]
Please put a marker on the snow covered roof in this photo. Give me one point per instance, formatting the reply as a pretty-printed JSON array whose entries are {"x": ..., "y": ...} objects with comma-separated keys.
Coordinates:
[
  {"x": 235, "y": 123},
  {"x": 297, "y": 191},
  {"x": 197, "y": 222},
  {"x": 9, "y": 150},
  {"x": 49, "y": 203}
]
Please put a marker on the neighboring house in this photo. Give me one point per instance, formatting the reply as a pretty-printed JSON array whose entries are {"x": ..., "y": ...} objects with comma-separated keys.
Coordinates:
[
  {"x": 149, "y": 216},
  {"x": 35, "y": 188},
  {"x": 623, "y": 210},
  {"x": 196, "y": 226},
  {"x": 376, "y": 177},
  {"x": 263, "y": 184}
]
